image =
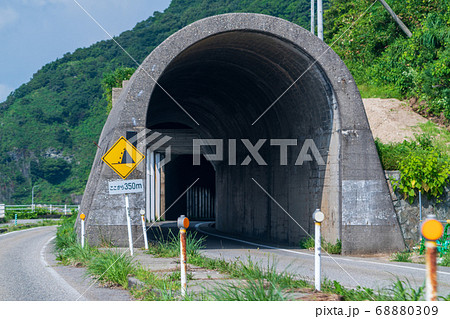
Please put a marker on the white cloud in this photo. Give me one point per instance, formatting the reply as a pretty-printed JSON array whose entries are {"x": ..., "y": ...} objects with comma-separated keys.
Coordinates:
[
  {"x": 7, "y": 16},
  {"x": 4, "y": 92}
]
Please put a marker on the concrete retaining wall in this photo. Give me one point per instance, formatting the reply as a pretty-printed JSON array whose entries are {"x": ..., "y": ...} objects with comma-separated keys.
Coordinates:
[{"x": 408, "y": 214}]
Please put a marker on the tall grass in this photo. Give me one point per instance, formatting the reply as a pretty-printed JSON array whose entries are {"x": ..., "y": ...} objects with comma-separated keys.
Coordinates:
[
  {"x": 309, "y": 243},
  {"x": 112, "y": 267},
  {"x": 107, "y": 266},
  {"x": 445, "y": 259},
  {"x": 403, "y": 256},
  {"x": 399, "y": 291},
  {"x": 170, "y": 246},
  {"x": 251, "y": 290}
]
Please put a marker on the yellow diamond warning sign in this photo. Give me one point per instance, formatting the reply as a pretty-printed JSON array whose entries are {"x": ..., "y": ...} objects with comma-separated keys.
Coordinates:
[{"x": 123, "y": 157}]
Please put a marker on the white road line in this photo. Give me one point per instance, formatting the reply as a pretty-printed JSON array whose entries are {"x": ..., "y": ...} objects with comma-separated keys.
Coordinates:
[
  {"x": 72, "y": 292},
  {"x": 19, "y": 231},
  {"x": 311, "y": 255}
]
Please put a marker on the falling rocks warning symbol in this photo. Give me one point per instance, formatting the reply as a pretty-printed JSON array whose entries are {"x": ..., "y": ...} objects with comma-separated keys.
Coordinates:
[
  {"x": 126, "y": 158},
  {"x": 123, "y": 157}
]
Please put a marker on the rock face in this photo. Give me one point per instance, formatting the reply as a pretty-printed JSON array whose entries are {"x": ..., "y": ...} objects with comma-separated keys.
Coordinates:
[
  {"x": 409, "y": 214},
  {"x": 245, "y": 79}
]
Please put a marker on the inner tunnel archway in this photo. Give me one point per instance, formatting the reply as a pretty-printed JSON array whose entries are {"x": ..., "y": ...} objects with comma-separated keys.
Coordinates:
[
  {"x": 224, "y": 84},
  {"x": 257, "y": 83}
]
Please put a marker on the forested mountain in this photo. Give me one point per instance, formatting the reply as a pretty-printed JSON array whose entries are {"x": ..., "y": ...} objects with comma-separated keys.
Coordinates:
[
  {"x": 381, "y": 56},
  {"x": 48, "y": 125}
]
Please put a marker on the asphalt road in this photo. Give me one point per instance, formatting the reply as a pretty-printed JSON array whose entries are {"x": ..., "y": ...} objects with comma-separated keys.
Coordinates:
[
  {"x": 375, "y": 273},
  {"x": 29, "y": 271}
]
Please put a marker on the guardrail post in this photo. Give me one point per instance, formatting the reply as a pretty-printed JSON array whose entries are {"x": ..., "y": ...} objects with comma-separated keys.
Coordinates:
[
  {"x": 15, "y": 219},
  {"x": 318, "y": 217},
  {"x": 2, "y": 210},
  {"x": 431, "y": 230},
  {"x": 183, "y": 224}
]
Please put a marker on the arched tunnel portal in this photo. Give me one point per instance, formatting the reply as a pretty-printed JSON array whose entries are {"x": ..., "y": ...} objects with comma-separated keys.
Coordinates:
[
  {"x": 281, "y": 120},
  {"x": 225, "y": 82}
]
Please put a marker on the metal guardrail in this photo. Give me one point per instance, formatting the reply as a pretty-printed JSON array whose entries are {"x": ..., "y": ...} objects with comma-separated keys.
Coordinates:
[{"x": 26, "y": 208}]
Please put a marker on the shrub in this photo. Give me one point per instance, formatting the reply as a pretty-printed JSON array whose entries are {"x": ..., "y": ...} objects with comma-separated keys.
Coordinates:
[
  {"x": 427, "y": 171},
  {"x": 423, "y": 166}
]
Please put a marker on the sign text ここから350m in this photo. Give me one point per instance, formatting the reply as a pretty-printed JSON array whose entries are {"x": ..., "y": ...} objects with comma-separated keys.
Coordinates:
[{"x": 126, "y": 186}]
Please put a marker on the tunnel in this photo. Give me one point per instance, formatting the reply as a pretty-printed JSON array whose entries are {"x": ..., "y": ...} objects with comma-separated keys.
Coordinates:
[
  {"x": 225, "y": 82},
  {"x": 279, "y": 119}
]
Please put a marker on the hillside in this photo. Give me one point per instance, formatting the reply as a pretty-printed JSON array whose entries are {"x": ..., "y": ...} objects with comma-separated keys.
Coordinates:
[
  {"x": 385, "y": 62},
  {"x": 48, "y": 125}
]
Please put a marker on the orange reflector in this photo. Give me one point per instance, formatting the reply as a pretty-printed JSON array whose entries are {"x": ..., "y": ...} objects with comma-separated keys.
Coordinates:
[
  {"x": 432, "y": 229},
  {"x": 82, "y": 216},
  {"x": 186, "y": 223}
]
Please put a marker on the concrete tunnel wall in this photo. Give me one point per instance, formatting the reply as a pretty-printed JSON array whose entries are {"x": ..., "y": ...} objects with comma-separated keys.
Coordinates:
[{"x": 225, "y": 71}]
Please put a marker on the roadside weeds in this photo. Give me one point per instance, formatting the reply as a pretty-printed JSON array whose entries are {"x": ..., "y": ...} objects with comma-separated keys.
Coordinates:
[{"x": 155, "y": 275}]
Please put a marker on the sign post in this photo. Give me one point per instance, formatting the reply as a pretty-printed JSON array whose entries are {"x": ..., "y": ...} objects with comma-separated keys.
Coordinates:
[
  {"x": 183, "y": 224},
  {"x": 431, "y": 230},
  {"x": 123, "y": 157},
  {"x": 318, "y": 217}
]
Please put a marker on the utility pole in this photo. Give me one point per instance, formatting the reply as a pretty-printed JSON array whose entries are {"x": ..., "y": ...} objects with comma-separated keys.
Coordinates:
[
  {"x": 396, "y": 19},
  {"x": 319, "y": 19},
  {"x": 312, "y": 17}
]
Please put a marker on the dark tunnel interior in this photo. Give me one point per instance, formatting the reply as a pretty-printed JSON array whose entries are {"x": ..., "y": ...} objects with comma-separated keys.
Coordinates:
[{"x": 250, "y": 85}]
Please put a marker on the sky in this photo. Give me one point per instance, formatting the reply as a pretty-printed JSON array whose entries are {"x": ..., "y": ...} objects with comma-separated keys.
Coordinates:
[{"x": 36, "y": 32}]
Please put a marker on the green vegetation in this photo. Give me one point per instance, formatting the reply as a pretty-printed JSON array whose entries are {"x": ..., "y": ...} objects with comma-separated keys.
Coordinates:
[
  {"x": 404, "y": 256},
  {"x": 424, "y": 165},
  {"x": 111, "y": 267},
  {"x": 255, "y": 281},
  {"x": 309, "y": 243},
  {"x": 399, "y": 291},
  {"x": 252, "y": 290},
  {"x": 49, "y": 125},
  {"x": 114, "y": 80},
  {"x": 382, "y": 59},
  {"x": 169, "y": 246},
  {"x": 445, "y": 259},
  {"x": 39, "y": 212}
]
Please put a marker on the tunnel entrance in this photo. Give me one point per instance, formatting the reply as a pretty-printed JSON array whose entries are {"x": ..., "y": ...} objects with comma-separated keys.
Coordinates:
[
  {"x": 291, "y": 125},
  {"x": 225, "y": 83}
]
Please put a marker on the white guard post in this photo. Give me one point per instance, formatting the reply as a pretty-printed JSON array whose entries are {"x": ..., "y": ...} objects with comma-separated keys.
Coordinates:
[
  {"x": 82, "y": 217},
  {"x": 144, "y": 230},
  {"x": 318, "y": 217},
  {"x": 130, "y": 235},
  {"x": 150, "y": 186}
]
